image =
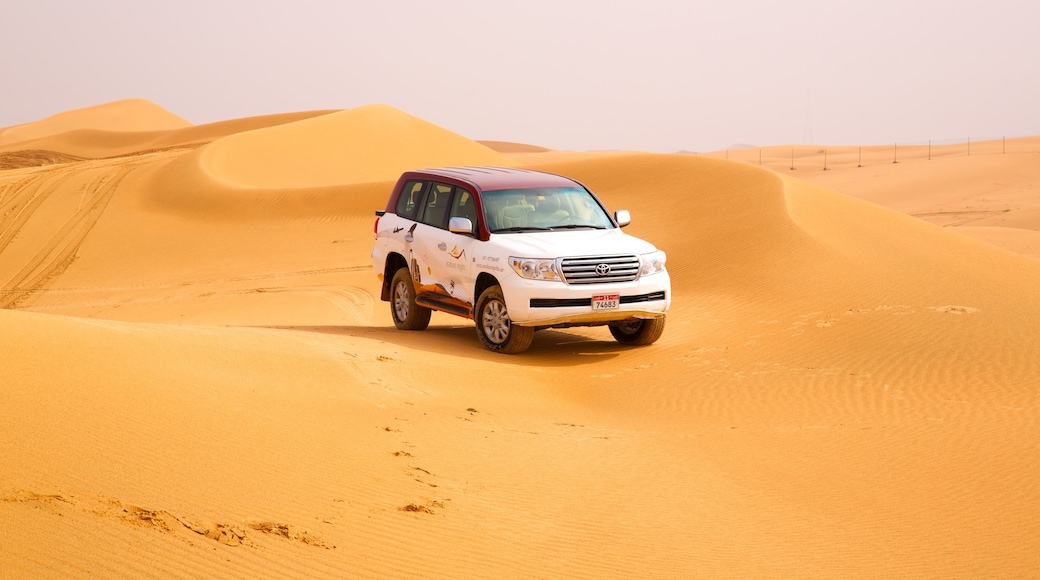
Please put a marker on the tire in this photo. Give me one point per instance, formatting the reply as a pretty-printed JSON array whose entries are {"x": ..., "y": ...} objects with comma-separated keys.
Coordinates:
[
  {"x": 639, "y": 332},
  {"x": 406, "y": 313},
  {"x": 496, "y": 331}
]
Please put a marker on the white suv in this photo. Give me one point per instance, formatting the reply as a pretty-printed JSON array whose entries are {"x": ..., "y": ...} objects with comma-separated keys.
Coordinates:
[{"x": 516, "y": 251}]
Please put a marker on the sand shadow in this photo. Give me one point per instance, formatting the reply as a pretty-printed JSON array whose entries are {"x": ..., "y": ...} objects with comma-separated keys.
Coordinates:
[{"x": 556, "y": 348}]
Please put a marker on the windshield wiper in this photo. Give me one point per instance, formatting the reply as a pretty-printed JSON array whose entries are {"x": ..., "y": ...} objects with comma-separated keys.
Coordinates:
[
  {"x": 576, "y": 226},
  {"x": 521, "y": 229}
]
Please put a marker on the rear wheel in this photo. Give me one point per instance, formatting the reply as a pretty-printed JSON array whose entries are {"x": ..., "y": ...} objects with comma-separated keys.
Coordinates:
[
  {"x": 494, "y": 328},
  {"x": 638, "y": 332},
  {"x": 407, "y": 314}
]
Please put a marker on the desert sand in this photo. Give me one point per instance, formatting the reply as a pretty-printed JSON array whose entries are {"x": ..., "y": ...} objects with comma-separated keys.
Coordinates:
[
  {"x": 985, "y": 189},
  {"x": 198, "y": 378}
]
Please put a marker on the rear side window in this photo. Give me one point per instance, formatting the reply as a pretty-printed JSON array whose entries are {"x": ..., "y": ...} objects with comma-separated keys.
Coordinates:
[{"x": 408, "y": 202}]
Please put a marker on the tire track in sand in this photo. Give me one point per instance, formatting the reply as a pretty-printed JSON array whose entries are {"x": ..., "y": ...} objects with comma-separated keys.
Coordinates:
[
  {"x": 59, "y": 252},
  {"x": 206, "y": 281},
  {"x": 24, "y": 201}
]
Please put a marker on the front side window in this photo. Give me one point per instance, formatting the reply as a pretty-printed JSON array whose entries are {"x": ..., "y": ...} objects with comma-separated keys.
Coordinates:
[
  {"x": 465, "y": 205},
  {"x": 435, "y": 208}
]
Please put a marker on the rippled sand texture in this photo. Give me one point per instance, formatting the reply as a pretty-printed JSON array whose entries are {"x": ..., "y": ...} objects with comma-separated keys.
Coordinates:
[{"x": 198, "y": 378}]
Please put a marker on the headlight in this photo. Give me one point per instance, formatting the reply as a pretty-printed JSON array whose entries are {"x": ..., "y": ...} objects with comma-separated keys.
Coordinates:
[
  {"x": 535, "y": 269},
  {"x": 652, "y": 263}
]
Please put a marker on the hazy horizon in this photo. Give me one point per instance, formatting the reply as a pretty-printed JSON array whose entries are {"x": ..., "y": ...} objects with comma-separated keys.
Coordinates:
[{"x": 581, "y": 75}]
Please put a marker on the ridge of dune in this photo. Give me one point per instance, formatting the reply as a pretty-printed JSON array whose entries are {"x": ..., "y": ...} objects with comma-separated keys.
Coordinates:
[
  {"x": 1021, "y": 241},
  {"x": 513, "y": 147},
  {"x": 121, "y": 115},
  {"x": 990, "y": 195},
  {"x": 366, "y": 144},
  {"x": 100, "y": 143},
  {"x": 702, "y": 233},
  {"x": 976, "y": 188}
]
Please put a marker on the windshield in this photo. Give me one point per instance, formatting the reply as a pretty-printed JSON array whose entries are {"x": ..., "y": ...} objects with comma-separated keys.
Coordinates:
[{"x": 543, "y": 208}]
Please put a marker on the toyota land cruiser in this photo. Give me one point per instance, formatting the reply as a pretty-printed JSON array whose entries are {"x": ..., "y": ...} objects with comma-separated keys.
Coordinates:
[{"x": 516, "y": 251}]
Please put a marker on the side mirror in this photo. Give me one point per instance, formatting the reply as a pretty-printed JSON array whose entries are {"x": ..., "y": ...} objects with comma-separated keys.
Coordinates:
[
  {"x": 460, "y": 225},
  {"x": 622, "y": 217}
]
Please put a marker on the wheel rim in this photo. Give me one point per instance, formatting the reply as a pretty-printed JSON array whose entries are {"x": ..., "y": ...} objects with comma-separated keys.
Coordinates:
[
  {"x": 629, "y": 328},
  {"x": 401, "y": 301},
  {"x": 495, "y": 322}
]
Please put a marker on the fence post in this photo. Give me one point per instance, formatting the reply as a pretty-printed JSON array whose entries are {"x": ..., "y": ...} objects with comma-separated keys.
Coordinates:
[
  {"x": 825, "y": 160},
  {"x": 895, "y": 153},
  {"x": 860, "y": 162},
  {"x": 792, "y": 158}
]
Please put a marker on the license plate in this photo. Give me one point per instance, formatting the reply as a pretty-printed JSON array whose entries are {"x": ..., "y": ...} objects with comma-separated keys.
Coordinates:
[{"x": 606, "y": 302}]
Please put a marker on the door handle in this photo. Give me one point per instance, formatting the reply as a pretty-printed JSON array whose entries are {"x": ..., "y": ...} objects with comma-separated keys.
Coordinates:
[{"x": 442, "y": 246}]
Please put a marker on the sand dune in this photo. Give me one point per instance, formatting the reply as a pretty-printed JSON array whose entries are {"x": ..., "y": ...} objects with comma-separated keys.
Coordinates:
[
  {"x": 511, "y": 147},
  {"x": 125, "y": 115},
  {"x": 366, "y": 144},
  {"x": 1023, "y": 241},
  {"x": 99, "y": 143},
  {"x": 987, "y": 184},
  {"x": 199, "y": 380}
]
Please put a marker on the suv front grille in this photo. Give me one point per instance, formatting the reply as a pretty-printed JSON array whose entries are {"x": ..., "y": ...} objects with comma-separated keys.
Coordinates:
[{"x": 599, "y": 269}]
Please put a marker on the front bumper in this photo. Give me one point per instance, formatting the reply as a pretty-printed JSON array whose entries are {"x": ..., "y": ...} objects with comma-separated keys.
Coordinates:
[{"x": 543, "y": 303}]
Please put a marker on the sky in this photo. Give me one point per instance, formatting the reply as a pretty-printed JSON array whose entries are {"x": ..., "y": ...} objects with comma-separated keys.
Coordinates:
[{"x": 648, "y": 75}]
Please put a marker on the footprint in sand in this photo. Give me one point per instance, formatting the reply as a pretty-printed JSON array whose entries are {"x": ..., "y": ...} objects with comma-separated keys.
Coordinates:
[{"x": 955, "y": 309}]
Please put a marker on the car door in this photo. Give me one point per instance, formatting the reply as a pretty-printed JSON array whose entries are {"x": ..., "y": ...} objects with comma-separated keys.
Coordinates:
[
  {"x": 403, "y": 225},
  {"x": 461, "y": 274},
  {"x": 442, "y": 260}
]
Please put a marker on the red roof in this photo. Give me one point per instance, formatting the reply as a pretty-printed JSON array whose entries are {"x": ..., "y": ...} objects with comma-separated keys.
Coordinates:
[{"x": 492, "y": 178}]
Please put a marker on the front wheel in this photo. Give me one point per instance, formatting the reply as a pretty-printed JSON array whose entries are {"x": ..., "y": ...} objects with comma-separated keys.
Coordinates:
[
  {"x": 407, "y": 314},
  {"x": 494, "y": 328},
  {"x": 638, "y": 332}
]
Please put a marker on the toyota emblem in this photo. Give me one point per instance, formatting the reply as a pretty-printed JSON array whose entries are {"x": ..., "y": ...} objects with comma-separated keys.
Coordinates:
[{"x": 602, "y": 269}]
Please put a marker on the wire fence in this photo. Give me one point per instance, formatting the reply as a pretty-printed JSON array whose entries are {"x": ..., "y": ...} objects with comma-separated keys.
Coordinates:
[{"x": 818, "y": 158}]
